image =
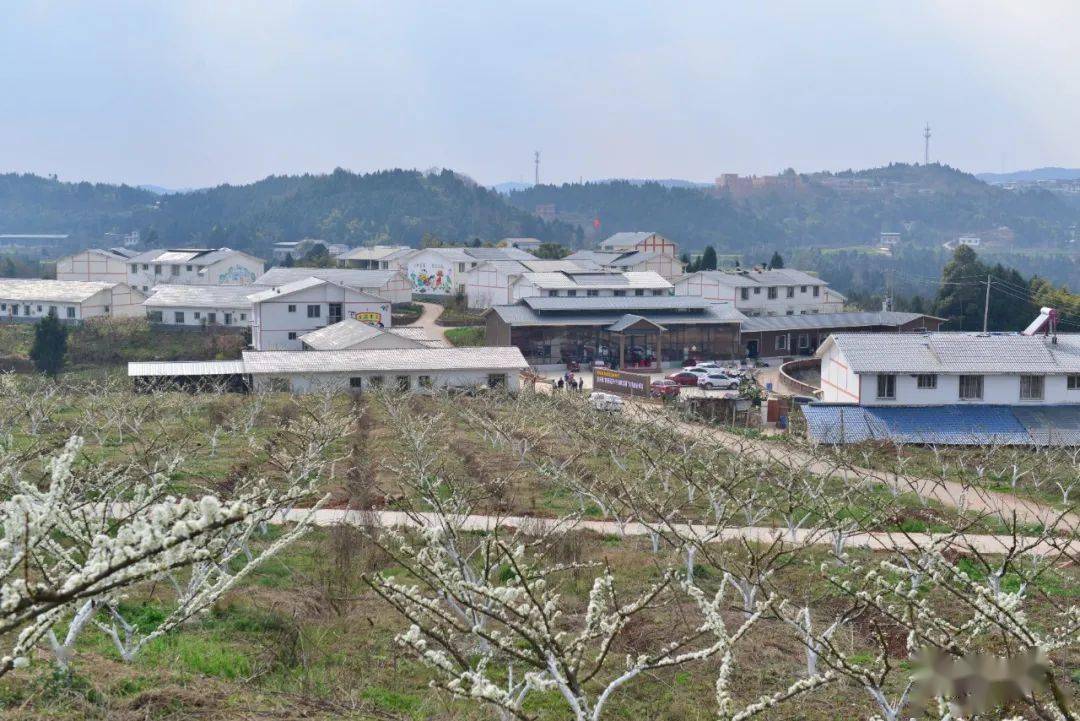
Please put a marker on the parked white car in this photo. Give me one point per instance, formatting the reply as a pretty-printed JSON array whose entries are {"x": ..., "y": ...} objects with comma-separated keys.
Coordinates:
[
  {"x": 704, "y": 364},
  {"x": 605, "y": 401},
  {"x": 718, "y": 379}
]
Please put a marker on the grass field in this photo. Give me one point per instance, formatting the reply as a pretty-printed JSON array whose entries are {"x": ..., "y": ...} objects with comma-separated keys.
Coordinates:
[{"x": 468, "y": 335}]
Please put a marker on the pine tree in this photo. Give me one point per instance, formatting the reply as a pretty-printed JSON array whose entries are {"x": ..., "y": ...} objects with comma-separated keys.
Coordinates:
[
  {"x": 777, "y": 261},
  {"x": 50, "y": 345},
  {"x": 708, "y": 259}
]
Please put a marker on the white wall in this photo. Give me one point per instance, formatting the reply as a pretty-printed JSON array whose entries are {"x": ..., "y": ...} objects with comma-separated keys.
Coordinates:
[
  {"x": 121, "y": 302},
  {"x": 997, "y": 390},
  {"x": 126, "y": 302},
  {"x": 196, "y": 317},
  {"x": 92, "y": 265},
  {"x": 315, "y": 382},
  {"x": 236, "y": 269},
  {"x": 272, "y": 321},
  {"x": 838, "y": 383},
  {"x": 759, "y": 303},
  {"x": 486, "y": 286},
  {"x": 432, "y": 273}
]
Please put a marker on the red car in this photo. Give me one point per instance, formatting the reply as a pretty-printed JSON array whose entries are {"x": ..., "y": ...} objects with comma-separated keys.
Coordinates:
[
  {"x": 665, "y": 389},
  {"x": 687, "y": 377}
]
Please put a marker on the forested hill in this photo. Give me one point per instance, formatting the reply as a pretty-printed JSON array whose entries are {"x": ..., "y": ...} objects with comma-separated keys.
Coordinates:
[
  {"x": 929, "y": 204},
  {"x": 691, "y": 217},
  {"x": 394, "y": 206}
]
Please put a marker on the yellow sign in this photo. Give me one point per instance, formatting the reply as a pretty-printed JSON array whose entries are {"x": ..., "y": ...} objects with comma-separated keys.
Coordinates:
[{"x": 368, "y": 317}]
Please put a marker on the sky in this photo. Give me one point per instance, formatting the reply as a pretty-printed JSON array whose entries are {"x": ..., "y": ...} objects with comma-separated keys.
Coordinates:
[{"x": 192, "y": 94}]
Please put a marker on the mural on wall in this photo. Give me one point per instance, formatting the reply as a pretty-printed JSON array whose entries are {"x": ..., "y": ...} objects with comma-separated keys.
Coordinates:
[
  {"x": 431, "y": 278},
  {"x": 237, "y": 275},
  {"x": 372, "y": 317}
]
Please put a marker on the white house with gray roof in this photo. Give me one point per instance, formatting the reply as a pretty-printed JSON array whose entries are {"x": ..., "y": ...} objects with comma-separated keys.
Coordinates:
[
  {"x": 937, "y": 369},
  {"x": 196, "y": 306},
  {"x": 193, "y": 266},
  {"x": 490, "y": 282},
  {"x": 73, "y": 301},
  {"x": 588, "y": 284},
  {"x": 352, "y": 334},
  {"x": 763, "y": 292},
  {"x": 389, "y": 284},
  {"x": 282, "y": 314},
  {"x": 106, "y": 265}
]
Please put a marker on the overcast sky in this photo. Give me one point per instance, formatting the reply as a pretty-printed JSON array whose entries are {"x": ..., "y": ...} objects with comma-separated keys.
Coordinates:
[{"x": 193, "y": 93}]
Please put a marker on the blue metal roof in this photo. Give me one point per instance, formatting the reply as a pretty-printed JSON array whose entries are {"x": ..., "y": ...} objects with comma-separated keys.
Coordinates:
[{"x": 944, "y": 425}]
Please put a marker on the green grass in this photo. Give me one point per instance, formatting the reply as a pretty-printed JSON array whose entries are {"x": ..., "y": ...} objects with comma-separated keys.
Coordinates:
[{"x": 468, "y": 335}]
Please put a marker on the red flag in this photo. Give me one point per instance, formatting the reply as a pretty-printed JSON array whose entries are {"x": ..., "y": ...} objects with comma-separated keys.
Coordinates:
[{"x": 596, "y": 223}]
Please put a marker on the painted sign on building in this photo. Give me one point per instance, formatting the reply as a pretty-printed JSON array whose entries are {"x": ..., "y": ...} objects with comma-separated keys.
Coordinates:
[
  {"x": 369, "y": 317},
  {"x": 627, "y": 384},
  {"x": 236, "y": 275},
  {"x": 431, "y": 278}
]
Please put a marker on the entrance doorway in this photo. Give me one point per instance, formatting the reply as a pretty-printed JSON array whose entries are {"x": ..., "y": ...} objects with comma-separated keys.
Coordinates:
[
  {"x": 334, "y": 313},
  {"x": 752, "y": 348}
]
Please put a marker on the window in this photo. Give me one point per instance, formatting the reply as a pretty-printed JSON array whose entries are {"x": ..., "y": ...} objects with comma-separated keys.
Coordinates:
[
  {"x": 356, "y": 382},
  {"x": 804, "y": 341},
  {"x": 757, "y": 291},
  {"x": 620, "y": 293},
  {"x": 772, "y": 293},
  {"x": 658, "y": 292},
  {"x": 424, "y": 381},
  {"x": 198, "y": 315},
  {"x": 744, "y": 293},
  {"x": 802, "y": 288},
  {"x": 174, "y": 270},
  {"x": 791, "y": 291},
  {"x": 3, "y": 306},
  {"x": 592, "y": 293},
  {"x": 52, "y": 310},
  {"x": 790, "y": 312},
  {"x": 817, "y": 290},
  {"x": 971, "y": 388},
  {"x": 211, "y": 318},
  {"x": 145, "y": 266},
  {"x": 496, "y": 380},
  {"x": 71, "y": 312},
  {"x": 188, "y": 268},
  {"x": 461, "y": 267},
  {"x": 404, "y": 383},
  {"x": 1072, "y": 382},
  {"x": 155, "y": 316},
  {"x": 26, "y": 310},
  {"x": 375, "y": 381},
  {"x": 886, "y": 386},
  {"x": 292, "y": 335},
  {"x": 157, "y": 270},
  {"x": 314, "y": 311},
  {"x": 926, "y": 381},
  {"x": 178, "y": 316},
  {"x": 292, "y": 308},
  {"x": 639, "y": 291},
  {"x": 145, "y": 288},
  {"x": 106, "y": 310},
  {"x": 134, "y": 267},
  {"x": 571, "y": 293},
  {"x": 228, "y": 319},
  {"x": 39, "y": 309},
  {"x": 781, "y": 342},
  {"x": 243, "y": 316},
  {"x": 14, "y": 309},
  {"x": 1031, "y": 388}
]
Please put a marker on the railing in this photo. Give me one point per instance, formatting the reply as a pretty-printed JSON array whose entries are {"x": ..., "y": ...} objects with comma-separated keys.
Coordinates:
[{"x": 800, "y": 364}]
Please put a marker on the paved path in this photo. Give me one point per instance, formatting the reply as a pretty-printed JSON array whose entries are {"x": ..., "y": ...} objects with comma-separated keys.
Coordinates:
[
  {"x": 993, "y": 544},
  {"x": 948, "y": 493},
  {"x": 427, "y": 319}
]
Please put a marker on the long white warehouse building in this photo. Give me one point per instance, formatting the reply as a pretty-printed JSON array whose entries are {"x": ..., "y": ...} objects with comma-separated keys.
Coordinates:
[{"x": 27, "y": 299}]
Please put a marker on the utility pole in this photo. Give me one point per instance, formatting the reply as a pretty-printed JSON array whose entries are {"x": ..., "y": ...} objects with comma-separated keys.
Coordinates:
[
  {"x": 986, "y": 305},
  {"x": 536, "y": 161},
  {"x": 926, "y": 146}
]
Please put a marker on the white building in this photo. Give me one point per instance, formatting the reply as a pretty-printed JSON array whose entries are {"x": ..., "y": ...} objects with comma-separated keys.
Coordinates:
[
  {"x": 377, "y": 257},
  {"x": 196, "y": 306},
  {"x": 935, "y": 369},
  {"x": 586, "y": 284},
  {"x": 528, "y": 244},
  {"x": 193, "y": 266},
  {"x": 280, "y": 315},
  {"x": 763, "y": 292},
  {"x": 638, "y": 261},
  {"x": 352, "y": 334},
  {"x": 632, "y": 242},
  {"x": 441, "y": 271},
  {"x": 489, "y": 283},
  {"x": 23, "y": 299},
  {"x": 390, "y": 285},
  {"x": 298, "y": 249},
  {"x": 417, "y": 370},
  {"x": 105, "y": 265}
]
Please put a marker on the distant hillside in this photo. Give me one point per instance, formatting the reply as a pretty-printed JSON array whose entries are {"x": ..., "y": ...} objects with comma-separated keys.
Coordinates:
[
  {"x": 688, "y": 216},
  {"x": 1030, "y": 176},
  {"x": 396, "y": 206}
]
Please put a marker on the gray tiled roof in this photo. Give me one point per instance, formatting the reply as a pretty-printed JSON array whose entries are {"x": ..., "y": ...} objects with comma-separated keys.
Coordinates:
[
  {"x": 377, "y": 252},
  {"x": 625, "y": 239},
  {"x": 345, "y": 276},
  {"x": 827, "y": 321},
  {"x": 576, "y": 280},
  {"x": 390, "y": 360},
  {"x": 521, "y": 315},
  {"x": 341, "y": 335},
  {"x": 957, "y": 353},
  {"x": 59, "y": 291},
  {"x": 186, "y": 368},
  {"x": 759, "y": 278},
  {"x": 623, "y": 304},
  {"x": 628, "y": 320},
  {"x": 201, "y": 296}
]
